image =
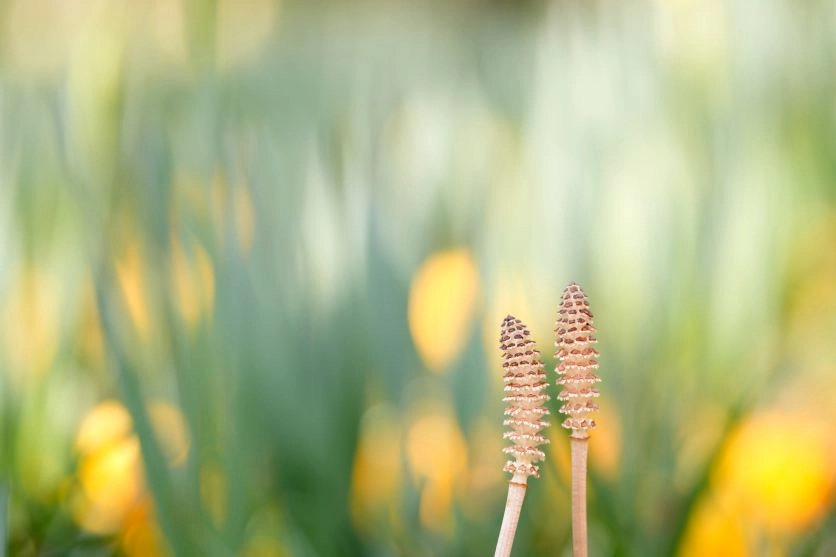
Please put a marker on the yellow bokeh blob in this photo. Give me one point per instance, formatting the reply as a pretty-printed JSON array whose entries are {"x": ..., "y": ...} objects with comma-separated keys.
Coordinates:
[
  {"x": 213, "y": 490},
  {"x": 90, "y": 337},
  {"x": 605, "y": 444},
  {"x": 111, "y": 482},
  {"x": 193, "y": 283},
  {"x": 108, "y": 422},
  {"x": 171, "y": 431},
  {"x": 482, "y": 482},
  {"x": 376, "y": 474},
  {"x": 441, "y": 303},
  {"x": 714, "y": 529},
  {"x": 31, "y": 323},
  {"x": 111, "y": 476},
  {"x": 130, "y": 273},
  {"x": 110, "y": 472},
  {"x": 437, "y": 455},
  {"x": 560, "y": 455},
  {"x": 779, "y": 468}
]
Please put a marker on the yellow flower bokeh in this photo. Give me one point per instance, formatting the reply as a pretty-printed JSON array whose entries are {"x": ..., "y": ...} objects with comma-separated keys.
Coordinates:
[
  {"x": 111, "y": 484},
  {"x": 109, "y": 470},
  {"x": 480, "y": 487},
  {"x": 442, "y": 299},
  {"x": 773, "y": 480},
  {"x": 437, "y": 456},
  {"x": 91, "y": 342},
  {"x": 111, "y": 497},
  {"x": 715, "y": 529},
  {"x": 106, "y": 423},
  {"x": 193, "y": 282},
  {"x": 171, "y": 431},
  {"x": 779, "y": 468},
  {"x": 559, "y": 454},
  {"x": 605, "y": 444},
  {"x": 31, "y": 323},
  {"x": 376, "y": 474},
  {"x": 130, "y": 273},
  {"x": 213, "y": 490}
]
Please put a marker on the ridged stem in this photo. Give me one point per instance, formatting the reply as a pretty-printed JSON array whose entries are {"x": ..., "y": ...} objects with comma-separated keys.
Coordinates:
[
  {"x": 579, "y": 536},
  {"x": 513, "y": 505}
]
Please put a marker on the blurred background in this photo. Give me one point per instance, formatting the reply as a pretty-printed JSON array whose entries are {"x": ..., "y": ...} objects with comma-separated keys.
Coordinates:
[{"x": 254, "y": 256}]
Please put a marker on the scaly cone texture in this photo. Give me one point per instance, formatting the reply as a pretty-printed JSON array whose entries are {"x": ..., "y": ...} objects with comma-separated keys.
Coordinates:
[
  {"x": 575, "y": 337},
  {"x": 525, "y": 384}
]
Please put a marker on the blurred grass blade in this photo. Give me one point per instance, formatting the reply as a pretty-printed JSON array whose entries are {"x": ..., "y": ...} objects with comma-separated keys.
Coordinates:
[
  {"x": 4, "y": 518},
  {"x": 152, "y": 455}
]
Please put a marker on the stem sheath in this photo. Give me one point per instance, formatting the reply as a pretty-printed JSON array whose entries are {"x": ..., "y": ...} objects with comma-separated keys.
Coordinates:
[
  {"x": 516, "y": 494},
  {"x": 579, "y": 536}
]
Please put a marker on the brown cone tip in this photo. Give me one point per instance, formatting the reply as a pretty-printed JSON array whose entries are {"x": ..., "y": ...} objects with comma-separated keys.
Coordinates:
[
  {"x": 525, "y": 385},
  {"x": 575, "y": 335}
]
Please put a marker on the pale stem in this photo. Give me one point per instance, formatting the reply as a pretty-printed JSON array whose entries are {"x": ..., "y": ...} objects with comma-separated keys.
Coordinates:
[
  {"x": 516, "y": 494},
  {"x": 579, "y": 537}
]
